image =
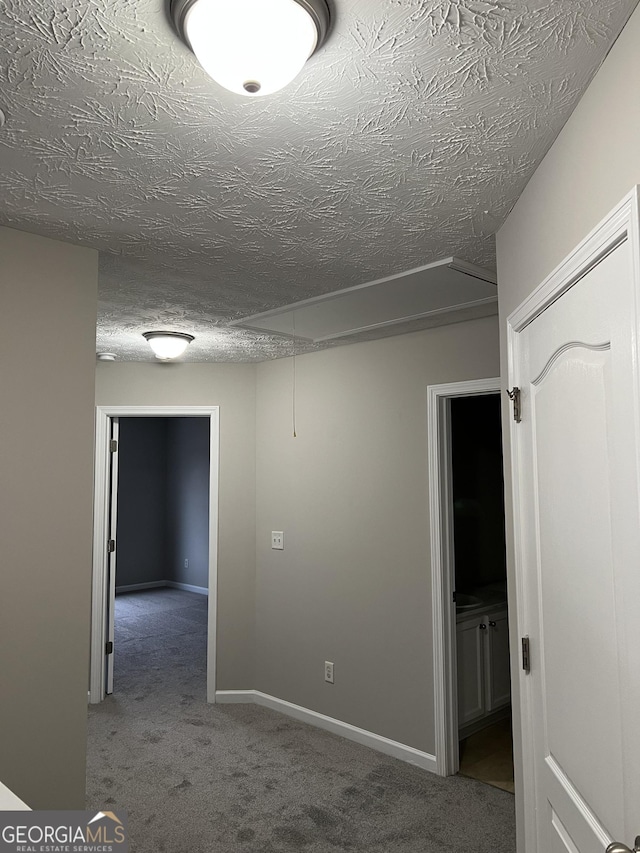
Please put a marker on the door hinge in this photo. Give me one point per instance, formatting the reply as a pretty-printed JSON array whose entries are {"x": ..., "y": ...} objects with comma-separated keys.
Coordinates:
[
  {"x": 514, "y": 396},
  {"x": 113, "y": 445},
  {"x": 111, "y": 546},
  {"x": 108, "y": 649},
  {"x": 526, "y": 655}
]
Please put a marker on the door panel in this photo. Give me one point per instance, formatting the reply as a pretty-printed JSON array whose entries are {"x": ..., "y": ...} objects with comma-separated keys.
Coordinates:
[
  {"x": 577, "y": 479},
  {"x": 560, "y": 839},
  {"x": 576, "y": 576}
]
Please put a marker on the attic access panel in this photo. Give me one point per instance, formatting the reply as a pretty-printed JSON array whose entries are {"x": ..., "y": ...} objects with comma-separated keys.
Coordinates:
[{"x": 442, "y": 288}]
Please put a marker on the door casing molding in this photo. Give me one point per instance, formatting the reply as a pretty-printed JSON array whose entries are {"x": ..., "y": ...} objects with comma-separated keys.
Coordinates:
[
  {"x": 441, "y": 526},
  {"x": 99, "y": 591}
]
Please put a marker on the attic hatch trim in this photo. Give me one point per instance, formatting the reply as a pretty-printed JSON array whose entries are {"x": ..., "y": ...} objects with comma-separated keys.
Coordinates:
[{"x": 452, "y": 263}]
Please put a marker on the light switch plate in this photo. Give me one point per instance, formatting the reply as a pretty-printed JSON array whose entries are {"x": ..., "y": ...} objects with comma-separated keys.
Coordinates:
[{"x": 277, "y": 540}]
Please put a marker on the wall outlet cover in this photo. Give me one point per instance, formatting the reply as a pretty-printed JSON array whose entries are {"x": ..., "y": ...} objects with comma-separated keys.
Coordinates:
[{"x": 277, "y": 540}]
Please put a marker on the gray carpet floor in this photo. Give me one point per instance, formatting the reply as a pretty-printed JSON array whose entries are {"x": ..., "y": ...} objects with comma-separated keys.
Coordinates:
[{"x": 200, "y": 778}]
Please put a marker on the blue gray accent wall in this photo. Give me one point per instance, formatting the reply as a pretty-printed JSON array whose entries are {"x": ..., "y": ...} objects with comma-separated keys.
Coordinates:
[
  {"x": 142, "y": 498},
  {"x": 188, "y": 501},
  {"x": 163, "y": 501}
]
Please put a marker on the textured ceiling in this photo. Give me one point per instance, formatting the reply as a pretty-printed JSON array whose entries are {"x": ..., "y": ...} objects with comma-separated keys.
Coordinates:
[{"x": 407, "y": 138}]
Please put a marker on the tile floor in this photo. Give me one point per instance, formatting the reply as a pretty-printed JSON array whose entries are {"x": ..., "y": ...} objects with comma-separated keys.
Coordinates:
[{"x": 488, "y": 756}]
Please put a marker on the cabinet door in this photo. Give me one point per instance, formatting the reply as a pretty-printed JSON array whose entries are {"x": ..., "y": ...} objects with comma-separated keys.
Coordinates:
[
  {"x": 498, "y": 681},
  {"x": 470, "y": 653}
]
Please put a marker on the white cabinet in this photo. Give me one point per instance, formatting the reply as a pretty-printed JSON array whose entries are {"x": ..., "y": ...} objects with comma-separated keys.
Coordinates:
[
  {"x": 470, "y": 642},
  {"x": 483, "y": 665},
  {"x": 497, "y": 675}
]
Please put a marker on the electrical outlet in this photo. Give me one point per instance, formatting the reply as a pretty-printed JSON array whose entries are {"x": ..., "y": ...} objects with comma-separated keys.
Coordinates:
[
  {"x": 186, "y": 563},
  {"x": 277, "y": 540},
  {"x": 328, "y": 671}
]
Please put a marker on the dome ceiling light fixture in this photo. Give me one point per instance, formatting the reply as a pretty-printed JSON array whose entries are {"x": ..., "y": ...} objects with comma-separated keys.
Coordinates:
[
  {"x": 251, "y": 47},
  {"x": 168, "y": 345}
]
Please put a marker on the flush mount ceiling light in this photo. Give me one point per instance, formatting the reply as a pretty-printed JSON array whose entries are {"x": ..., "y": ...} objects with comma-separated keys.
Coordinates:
[
  {"x": 251, "y": 47},
  {"x": 167, "y": 345}
]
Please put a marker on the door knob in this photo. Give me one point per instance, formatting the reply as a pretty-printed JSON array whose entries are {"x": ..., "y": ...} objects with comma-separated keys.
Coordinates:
[
  {"x": 618, "y": 847},
  {"x": 492, "y": 624},
  {"x": 482, "y": 626}
]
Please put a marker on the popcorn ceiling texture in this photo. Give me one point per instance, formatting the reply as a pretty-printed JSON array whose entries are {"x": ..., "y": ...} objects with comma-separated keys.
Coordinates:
[{"x": 407, "y": 138}]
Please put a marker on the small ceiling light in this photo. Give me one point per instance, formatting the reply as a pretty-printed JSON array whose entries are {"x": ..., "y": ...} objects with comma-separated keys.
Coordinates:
[
  {"x": 106, "y": 356},
  {"x": 251, "y": 47},
  {"x": 167, "y": 345}
]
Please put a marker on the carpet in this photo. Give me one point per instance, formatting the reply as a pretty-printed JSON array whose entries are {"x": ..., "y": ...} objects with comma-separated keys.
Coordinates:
[{"x": 200, "y": 778}]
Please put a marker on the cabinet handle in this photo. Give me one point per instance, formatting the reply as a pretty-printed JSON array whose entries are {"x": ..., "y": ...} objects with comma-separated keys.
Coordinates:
[
  {"x": 482, "y": 626},
  {"x": 492, "y": 624}
]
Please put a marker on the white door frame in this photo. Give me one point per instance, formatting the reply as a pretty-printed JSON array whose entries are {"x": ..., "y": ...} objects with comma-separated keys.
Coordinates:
[
  {"x": 441, "y": 524},
  {"x": 623, "y": 223},
  {"x": 99, "y": 593},
  {"x": 111, "y": 514}
]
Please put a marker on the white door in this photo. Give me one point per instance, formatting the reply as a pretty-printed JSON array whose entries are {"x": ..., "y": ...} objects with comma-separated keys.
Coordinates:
[
  {"x": 576, "y": 483},
  {"x": 111, "y": 564}
]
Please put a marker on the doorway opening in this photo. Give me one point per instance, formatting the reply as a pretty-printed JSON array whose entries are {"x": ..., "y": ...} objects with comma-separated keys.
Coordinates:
[
  {"x": 480, "y": 581},
  {"x": 471, "y": 637},
  {"x": 162, "y": 538},
  {"x": 155, "y": 529},
  {"x": 163, "y": 504}
]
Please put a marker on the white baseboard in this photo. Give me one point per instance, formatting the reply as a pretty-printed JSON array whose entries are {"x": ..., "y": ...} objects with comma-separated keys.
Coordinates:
[
  {"x": 134, "y": 587},
  {"x": 235, "y": 697},
  {"x": 187, "y": 587},
  {"x": 382, "y": 744},
  {"x": 484, "y": 722}
]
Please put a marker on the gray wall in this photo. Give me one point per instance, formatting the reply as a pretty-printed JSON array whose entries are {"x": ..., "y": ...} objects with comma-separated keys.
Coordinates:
[
  {"x": 142, "y": 501},
  {"x": 232, "y": 387},
  {"x": 48, "y": 299},
  {"x": 351, "y": 494},
  {"x": 594, "y": 162},
  {"x": 187, "y": 506}
]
